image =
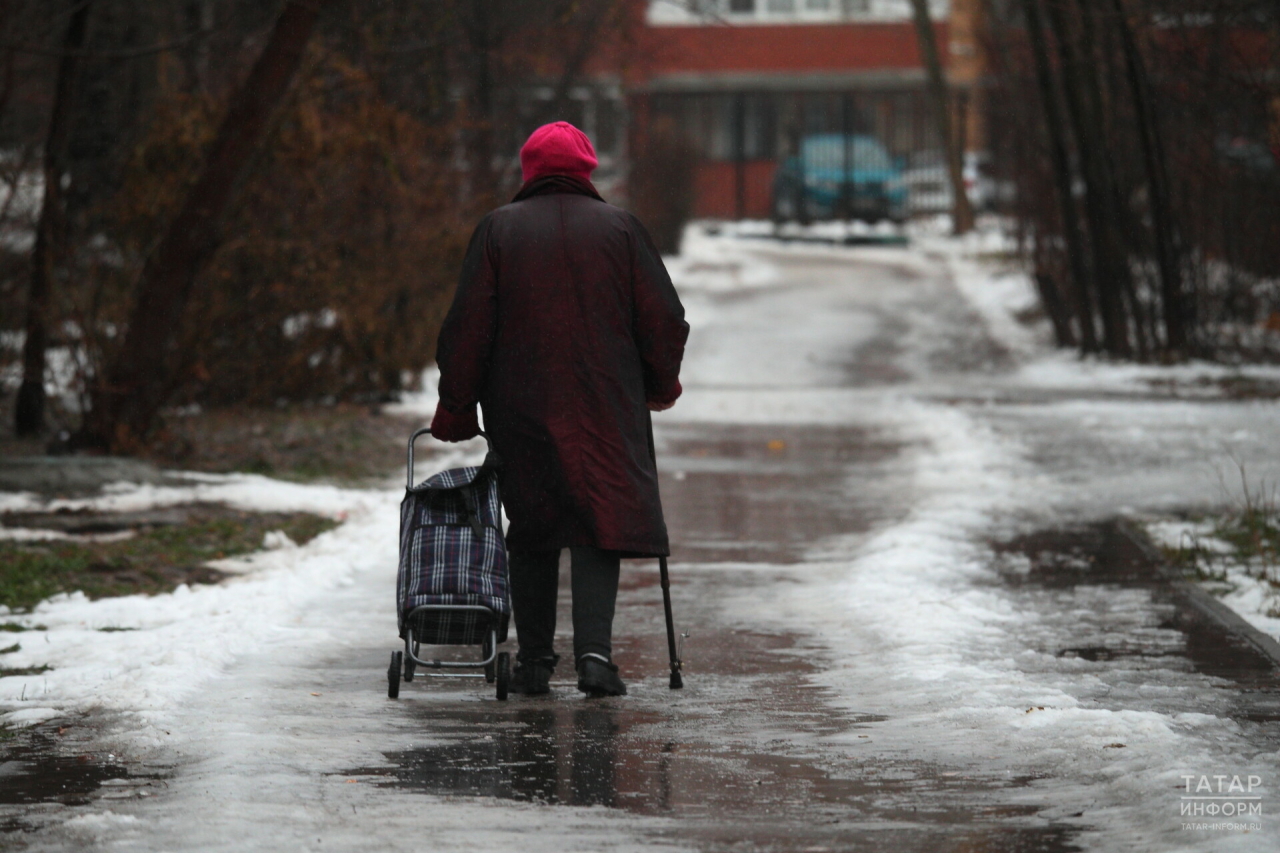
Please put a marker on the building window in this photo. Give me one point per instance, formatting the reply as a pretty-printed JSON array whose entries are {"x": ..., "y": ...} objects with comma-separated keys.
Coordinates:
[
  {"x": 772, "y": 126},
  {"x": 725, "y": 127},
  {"x": 713, "y": 12}
]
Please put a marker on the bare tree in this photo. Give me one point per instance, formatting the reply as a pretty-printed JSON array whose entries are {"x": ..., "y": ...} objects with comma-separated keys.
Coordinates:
[
  {"x": 50, "y": 228},
  {"x": 1154, "y": 164},
  {"x": 1171, "y": 248},
  {"x": 962, "y": 211},
  {"x": 1082, "y": 284},
  {"x": 1110, "y": 267},
  {"x": 141, "y": 375}
]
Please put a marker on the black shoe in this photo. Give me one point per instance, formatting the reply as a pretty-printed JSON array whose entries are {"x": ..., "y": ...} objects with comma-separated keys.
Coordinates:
[
  {"x": 533, "y": 677},
  {"x": 599, "y": 677}
]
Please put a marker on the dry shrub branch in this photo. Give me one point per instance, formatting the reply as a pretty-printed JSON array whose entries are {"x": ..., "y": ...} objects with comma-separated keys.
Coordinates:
[{"x": 338, "y": 264}]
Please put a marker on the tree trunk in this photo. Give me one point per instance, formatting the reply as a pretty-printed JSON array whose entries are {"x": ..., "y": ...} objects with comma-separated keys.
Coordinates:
[
  {"x": 198, "y": 15},
  {"x": 28, "y": 418},
  {"x": 1055, "y": 307},
  {"x": 1082, "y": 285},
  {"x": 587, "y": 44},
  {"x": 141, "y": 375},
  {"x": 962, "y": 211},
  {"x": 483, "y": 27},
  {"x": 6, "y": 75},
  {"x": 1157, "y": 189},
  {"x": 1109, "y": 266},
  {"x": 1120, "y": 236}
]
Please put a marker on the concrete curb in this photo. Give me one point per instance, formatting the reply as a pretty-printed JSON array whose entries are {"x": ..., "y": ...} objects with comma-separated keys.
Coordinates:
[{"x": 1194, "y": 596}]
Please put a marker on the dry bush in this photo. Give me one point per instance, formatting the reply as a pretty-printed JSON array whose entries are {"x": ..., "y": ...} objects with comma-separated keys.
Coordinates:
[
  {"x": 335, "y": 272},
  {"x": 337, "y": 261}
]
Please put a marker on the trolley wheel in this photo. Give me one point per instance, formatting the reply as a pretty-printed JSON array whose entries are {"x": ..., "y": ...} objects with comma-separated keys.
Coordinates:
[
  {"x": 503, "y": 675},
  {"x": 491, "y": 668},
  {"x": 393, "y": 675}
]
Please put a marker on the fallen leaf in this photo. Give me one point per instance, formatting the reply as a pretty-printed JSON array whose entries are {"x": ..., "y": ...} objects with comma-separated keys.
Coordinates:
[
  {"x": 315, "y": 694},
  {"x": 777, "y": 444},
  {"x": 1114, "y": 746}
]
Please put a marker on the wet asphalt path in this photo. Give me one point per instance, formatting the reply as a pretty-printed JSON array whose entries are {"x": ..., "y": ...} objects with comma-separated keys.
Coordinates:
[{"x": 753, "y": 754}]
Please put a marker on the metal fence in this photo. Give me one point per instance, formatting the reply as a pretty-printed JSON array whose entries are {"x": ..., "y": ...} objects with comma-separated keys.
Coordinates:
[{"x": 868, "y": 155}]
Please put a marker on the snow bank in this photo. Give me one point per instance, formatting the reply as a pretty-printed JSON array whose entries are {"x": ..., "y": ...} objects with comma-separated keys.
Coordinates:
[
  {"x": 926, "y": 635},
  {"x": 164, "y": 646},
  {"x": 710, "y": 260},
  {"x": 144, "y": 654}
]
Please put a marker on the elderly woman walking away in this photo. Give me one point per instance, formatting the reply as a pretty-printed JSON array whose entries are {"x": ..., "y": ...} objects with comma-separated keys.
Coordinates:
[{"x": 567, "y": 330}]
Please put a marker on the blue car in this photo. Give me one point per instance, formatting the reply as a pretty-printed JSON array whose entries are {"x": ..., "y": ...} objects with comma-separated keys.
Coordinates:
[{"x": 816, "y": 185}]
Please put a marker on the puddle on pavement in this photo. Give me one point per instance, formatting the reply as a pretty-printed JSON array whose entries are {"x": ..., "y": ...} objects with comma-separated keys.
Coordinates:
[
  {"x": 35, "y": 773},
  {"x": 738, "y": 757},
  {"x": 1102, "y": 559},
  {"x": 603, "y": 754},
  {"x": 768, "y": 494},
  {"x": 41, "y": 773}
]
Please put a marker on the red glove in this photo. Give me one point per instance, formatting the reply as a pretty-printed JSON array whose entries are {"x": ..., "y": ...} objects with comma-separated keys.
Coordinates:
[
  {"x": 455, "y": 426},
  {"x": 662, "y": 402}
]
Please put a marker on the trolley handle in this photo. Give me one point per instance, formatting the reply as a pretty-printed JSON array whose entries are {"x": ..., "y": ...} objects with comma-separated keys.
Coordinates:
[{"x": 427, "y": 431}]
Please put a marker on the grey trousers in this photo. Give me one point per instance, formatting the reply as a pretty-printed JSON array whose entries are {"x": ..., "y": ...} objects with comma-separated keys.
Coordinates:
[{"x": 535, "y": 583}]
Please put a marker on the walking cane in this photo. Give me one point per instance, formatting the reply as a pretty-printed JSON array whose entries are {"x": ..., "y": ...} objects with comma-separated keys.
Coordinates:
[{"x": 676, "y": 681}]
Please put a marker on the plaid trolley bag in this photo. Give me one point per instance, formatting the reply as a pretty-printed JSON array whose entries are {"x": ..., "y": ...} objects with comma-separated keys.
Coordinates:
[{"x": 451, "y": 587}]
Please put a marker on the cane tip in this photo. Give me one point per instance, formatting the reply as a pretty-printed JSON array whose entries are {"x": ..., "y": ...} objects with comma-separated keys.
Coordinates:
[{"x": 676, "y": 681}]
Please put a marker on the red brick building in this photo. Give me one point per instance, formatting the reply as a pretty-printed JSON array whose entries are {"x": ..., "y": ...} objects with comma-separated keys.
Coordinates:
[{"x": 747, "y": 79}]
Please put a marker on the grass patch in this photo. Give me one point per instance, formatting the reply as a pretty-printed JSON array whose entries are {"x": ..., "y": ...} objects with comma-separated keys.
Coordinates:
[
  {"x": 24, "y": 670},
  {"x": 11, "y": 649},
  {"x": 345, "y": 443},
  {"x": 1253, "y": 533},
  {"x": 1239, "y": 547},
  {"x": 155, "y": 560},
  {"x": 1248, "y": 542},
  {"x": 1196, "y": 558},
  {"x": 14, "y": 627},
  {"x": 1244, "y": 537}
]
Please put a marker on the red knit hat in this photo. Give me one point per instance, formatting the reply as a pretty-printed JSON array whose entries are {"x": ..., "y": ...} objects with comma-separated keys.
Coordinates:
[{"x": 558, "y": 148}]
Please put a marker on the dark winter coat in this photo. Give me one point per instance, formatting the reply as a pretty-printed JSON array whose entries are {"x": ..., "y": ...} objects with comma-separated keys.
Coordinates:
[{"x": 564, "y": 325}]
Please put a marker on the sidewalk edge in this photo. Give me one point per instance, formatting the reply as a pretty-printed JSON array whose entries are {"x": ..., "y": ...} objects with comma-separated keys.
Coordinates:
[{"x": 1195, "y": 596}]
